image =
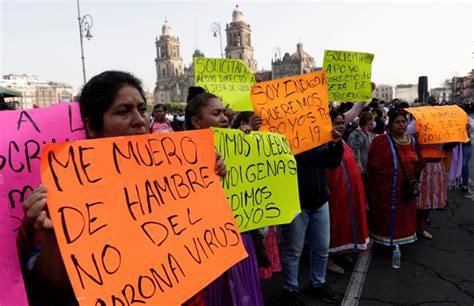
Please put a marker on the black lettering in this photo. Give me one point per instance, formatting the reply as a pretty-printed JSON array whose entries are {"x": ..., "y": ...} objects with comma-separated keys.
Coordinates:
[
  {"x": 191, "y": 222},
  {"x": 80, "y": 270},
  {"x": 21, "y": 120},
  {"x": 85, "y": 166},
  {"x": 113, "y": 269},
  {"x": 23, "y": 195},
  {"x": 71, "y": 157},
  {"x": 154, "y": 232},
  {"x": 174, "y": 225},
  {"x": 93, "y": 219},
  {"x": 71, "y": 129},
  {"x": 66, "y": 230},
  {"x": 141, "y": 286}
]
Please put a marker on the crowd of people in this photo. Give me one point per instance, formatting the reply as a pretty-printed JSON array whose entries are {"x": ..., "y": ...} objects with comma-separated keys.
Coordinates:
[{"x": 372, "y": 181}]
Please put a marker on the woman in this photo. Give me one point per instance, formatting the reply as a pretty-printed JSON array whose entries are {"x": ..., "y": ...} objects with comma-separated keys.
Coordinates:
[
  {"x": 433, "y": 186},
  {"x": 160, "y": 124},
  {"x": 349, "y": 232},
  {"x": 112, "y": 104},
  {"x": 392, "y": 212},
  {"x": 360, "y": 140},
  {"x": 466, "y": 155},
  {"x": 265, "y": 238},
  {"x": 240, "y": 285}
]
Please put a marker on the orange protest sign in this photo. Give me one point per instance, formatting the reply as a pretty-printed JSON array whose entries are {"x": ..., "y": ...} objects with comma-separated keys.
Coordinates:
[
  {"x": 296, "y": 107},
  {"x": 440, "y": 124},
  {"x": 140, "y": 218}
]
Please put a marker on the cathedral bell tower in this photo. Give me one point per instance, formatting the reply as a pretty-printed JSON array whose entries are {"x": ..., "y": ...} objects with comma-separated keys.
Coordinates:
[{"x": 238, "y": 40}]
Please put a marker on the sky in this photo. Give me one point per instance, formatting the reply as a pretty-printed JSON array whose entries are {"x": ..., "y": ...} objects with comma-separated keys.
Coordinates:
[{"x": 409, "y": 38}]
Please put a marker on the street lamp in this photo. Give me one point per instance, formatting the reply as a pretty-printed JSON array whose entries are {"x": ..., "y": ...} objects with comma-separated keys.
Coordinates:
[
  {"x": 277, "y": 53},
  {"x": 216, "y": 29},
  {"x": 85, "y": 24}
]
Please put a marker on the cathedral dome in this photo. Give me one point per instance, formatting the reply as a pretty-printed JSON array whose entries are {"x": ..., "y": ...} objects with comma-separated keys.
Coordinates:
[
  {"x": 237, "y": 15},
  {"x": 166, "y": 29},
  {"x": 301, "y": 55}
]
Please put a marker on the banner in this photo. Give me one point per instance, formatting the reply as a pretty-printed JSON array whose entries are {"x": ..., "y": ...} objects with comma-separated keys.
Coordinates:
[
  {"x": 229, "y": 79},
  {"x": 440, "y": 124},
  {"x": 261, "y": 183},
  {"x": 349, "y": 75},
  {"x": 11, "y": 280},
  {"x": 296, "y": 107},
  {"x": 24, "y": 132},
  {"x": 140, "y": 217}
]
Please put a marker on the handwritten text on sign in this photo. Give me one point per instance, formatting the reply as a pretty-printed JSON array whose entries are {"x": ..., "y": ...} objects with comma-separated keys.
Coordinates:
[
  {"x": 24, "y": 132},
  {"x": 140, "y": 217},
  {"x": 348, "y": 75},
  {"x": 259, "y": 167},
  {"x": 229, "y": 79},
  {"x": 296, "y": 107},
  {"x": 440, "y": 124}
]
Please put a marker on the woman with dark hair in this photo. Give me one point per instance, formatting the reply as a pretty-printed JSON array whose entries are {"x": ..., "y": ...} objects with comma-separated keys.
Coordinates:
[
  {"x": 160, "y": 124},
  {"x": 361, "y": 138},
  {"x": 111, "y": 104},
  {"x": 348, "y": 220},
  {"x": 392, "y": 162},
  {"x": 240, "y": 285}
]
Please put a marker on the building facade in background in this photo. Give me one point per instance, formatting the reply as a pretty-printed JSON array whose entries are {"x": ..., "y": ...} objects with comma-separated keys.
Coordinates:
[
  {"x": 406, "y": 92},
  {"x": 442, "y": 94},
  {"x": 173, "y": 79},
  {"x": 37, "y": 92},
  {"x": 462, "y": 88},
  {"x": 383, "y": 92},
  {"x": 239, "y": 42},
  {"x": 298, "y": 63}
]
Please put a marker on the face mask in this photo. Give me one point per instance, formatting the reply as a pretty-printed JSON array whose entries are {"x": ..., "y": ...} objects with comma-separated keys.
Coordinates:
[{"x": 373, "y": 125}]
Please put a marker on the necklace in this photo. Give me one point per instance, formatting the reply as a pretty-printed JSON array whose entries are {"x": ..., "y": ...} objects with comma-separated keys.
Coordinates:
[{"x": 401, "y": 142}]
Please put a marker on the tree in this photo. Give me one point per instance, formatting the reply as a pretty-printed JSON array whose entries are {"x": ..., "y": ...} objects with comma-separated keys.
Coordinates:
[{"x": 431, "y": 100}]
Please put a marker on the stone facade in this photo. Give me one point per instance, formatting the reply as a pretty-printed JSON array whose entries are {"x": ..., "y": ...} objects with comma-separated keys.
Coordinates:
[
  {"x": 406, "y": 92},
  {"x": 383, "y": 92},
  {"x": 172, "y": 78},
  {"x": 299, "y": 62},
  {"x": 37, "y": 92},
  {"x": 239, "y": 43}
]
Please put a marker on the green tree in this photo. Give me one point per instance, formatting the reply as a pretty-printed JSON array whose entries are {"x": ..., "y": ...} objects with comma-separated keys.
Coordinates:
[{"x": 431, "y": 100}]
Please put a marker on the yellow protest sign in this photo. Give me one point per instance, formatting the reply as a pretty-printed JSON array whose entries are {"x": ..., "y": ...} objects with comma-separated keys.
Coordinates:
[
  {"x": 348, "y": 74},
  {"x": 261, "y": 183},
  {"x": 296, "y": 107},
  {"x": 440, "y": 124},
  {"x": 229, "y": 79},
  {"x": 140, "y": 217}
]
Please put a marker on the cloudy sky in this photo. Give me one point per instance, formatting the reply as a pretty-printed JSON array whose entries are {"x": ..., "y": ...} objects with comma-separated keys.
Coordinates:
[{"x": 408, "y": 39}]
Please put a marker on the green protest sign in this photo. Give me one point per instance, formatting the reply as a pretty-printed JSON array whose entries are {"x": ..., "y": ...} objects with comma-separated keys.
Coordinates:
[
  {"x": 261, "y": 183},
  {"x": 229, "y": 79},
  {"x": 348, "y": 74}
]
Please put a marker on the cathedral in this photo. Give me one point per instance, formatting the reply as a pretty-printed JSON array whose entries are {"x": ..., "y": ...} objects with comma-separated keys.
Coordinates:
[{"x": 173, "y": 79}]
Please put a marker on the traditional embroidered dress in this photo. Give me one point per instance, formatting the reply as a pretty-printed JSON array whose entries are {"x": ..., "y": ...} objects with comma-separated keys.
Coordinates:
[
  {"x": 240, "y": 285},
  {"x": 433, "y": 178},
  {"x": 271, "y": 245},
  {"x": 347, "y": 211},
  {"x": 392, "y": 218}
]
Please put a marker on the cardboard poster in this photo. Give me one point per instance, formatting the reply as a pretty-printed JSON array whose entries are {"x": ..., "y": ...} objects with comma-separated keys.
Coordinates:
[
  {"x": 349, "y": 75},
  {"x": 24, "y": 133},
  {"x": 229, "y": 79},
  {"x": 259, "y": 167},
  {"x": 140, "y": 217},
  {"x": 440, "y": 124},
  {"x": 296, "y": 107}
]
